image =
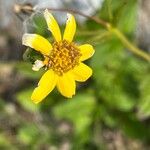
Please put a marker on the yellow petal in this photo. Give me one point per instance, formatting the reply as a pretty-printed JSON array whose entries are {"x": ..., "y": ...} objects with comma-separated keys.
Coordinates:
[
  {"x": 52, "y": 25},
  {"x": 66, "y": 85},
  {"x": 37, "y": 42},
  {"x": 45, "y": 86},
  {"x": 87, "y": 51},
  {"x": 82, "y": 72},
  {"x": 70, "y": 28}
]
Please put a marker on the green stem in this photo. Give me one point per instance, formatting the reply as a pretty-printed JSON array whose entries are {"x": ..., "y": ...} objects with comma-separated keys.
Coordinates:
[
  {"x": 99, "y": 37},
  {"x": 109, "y": 10},
  {"x": 128, "y": 44}
]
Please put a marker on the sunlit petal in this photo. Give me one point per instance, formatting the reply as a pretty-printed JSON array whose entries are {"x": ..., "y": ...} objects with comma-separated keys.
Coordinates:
[
  {"x": 87, "y": 51},
  {"x": 52, "y": 25},
  {"x": 37, "y": 42},
  {"x": 45, "y": 86},
  {"x": 66, "y": 85},
  {"x": 70, "y": 28},
  {"x": 82, "y": 72}
]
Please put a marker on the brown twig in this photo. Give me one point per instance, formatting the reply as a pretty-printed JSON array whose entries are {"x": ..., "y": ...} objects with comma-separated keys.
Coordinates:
[
  {"x": 97, "y": 20},
  {"x": 29, "y": 9}
]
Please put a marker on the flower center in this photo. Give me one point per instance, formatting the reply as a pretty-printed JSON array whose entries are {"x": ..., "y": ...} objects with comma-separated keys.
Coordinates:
[{"x": 63, "y": 57}]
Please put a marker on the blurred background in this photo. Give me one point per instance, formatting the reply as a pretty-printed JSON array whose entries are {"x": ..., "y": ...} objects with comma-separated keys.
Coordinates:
[{"x": 111, "y": 111}]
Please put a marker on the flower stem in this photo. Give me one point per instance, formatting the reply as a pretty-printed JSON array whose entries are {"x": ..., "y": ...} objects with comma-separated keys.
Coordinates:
[{"x": 128, "y": 44}]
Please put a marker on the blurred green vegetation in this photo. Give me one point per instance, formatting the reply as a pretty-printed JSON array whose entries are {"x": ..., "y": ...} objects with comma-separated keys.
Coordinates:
[{"x": 116, "y": 98}]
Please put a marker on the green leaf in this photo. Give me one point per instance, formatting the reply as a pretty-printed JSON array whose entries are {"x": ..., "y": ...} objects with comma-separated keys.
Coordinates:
[
  {"x": 28, "y": 133},
  {"x": 117, "y": 98},
  {"x": 78, "y": 110},
  {"x": 114, "y": 80},
  {"x": 31, "y": 55},
  {"x": 6, "y": 144},
  {"x": 127, "y": 19},
  {"x": 105, "y": 115},
  {"x": 24, "y": 98},
  {"x": 133, "y": 127},
  {"x": 79, "y": 106},
  {"x": 37, "y": 24},
  {"x": 144, "y": 104},
  {"x": 123, "y": 14},
  {"x": 25, "y": 69}
]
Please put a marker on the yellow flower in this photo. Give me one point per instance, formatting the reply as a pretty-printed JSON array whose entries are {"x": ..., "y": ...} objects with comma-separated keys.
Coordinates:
[{"x": 63, "y": 59}]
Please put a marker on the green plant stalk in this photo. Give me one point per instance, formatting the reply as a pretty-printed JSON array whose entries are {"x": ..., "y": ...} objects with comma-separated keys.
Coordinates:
[
  {"x": 109, "y": 10},
  {"x": 128, "y": 44}
]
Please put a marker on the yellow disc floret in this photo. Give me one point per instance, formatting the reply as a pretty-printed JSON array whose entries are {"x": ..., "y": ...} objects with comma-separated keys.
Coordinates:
[{"x": 63, "y": 57}]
